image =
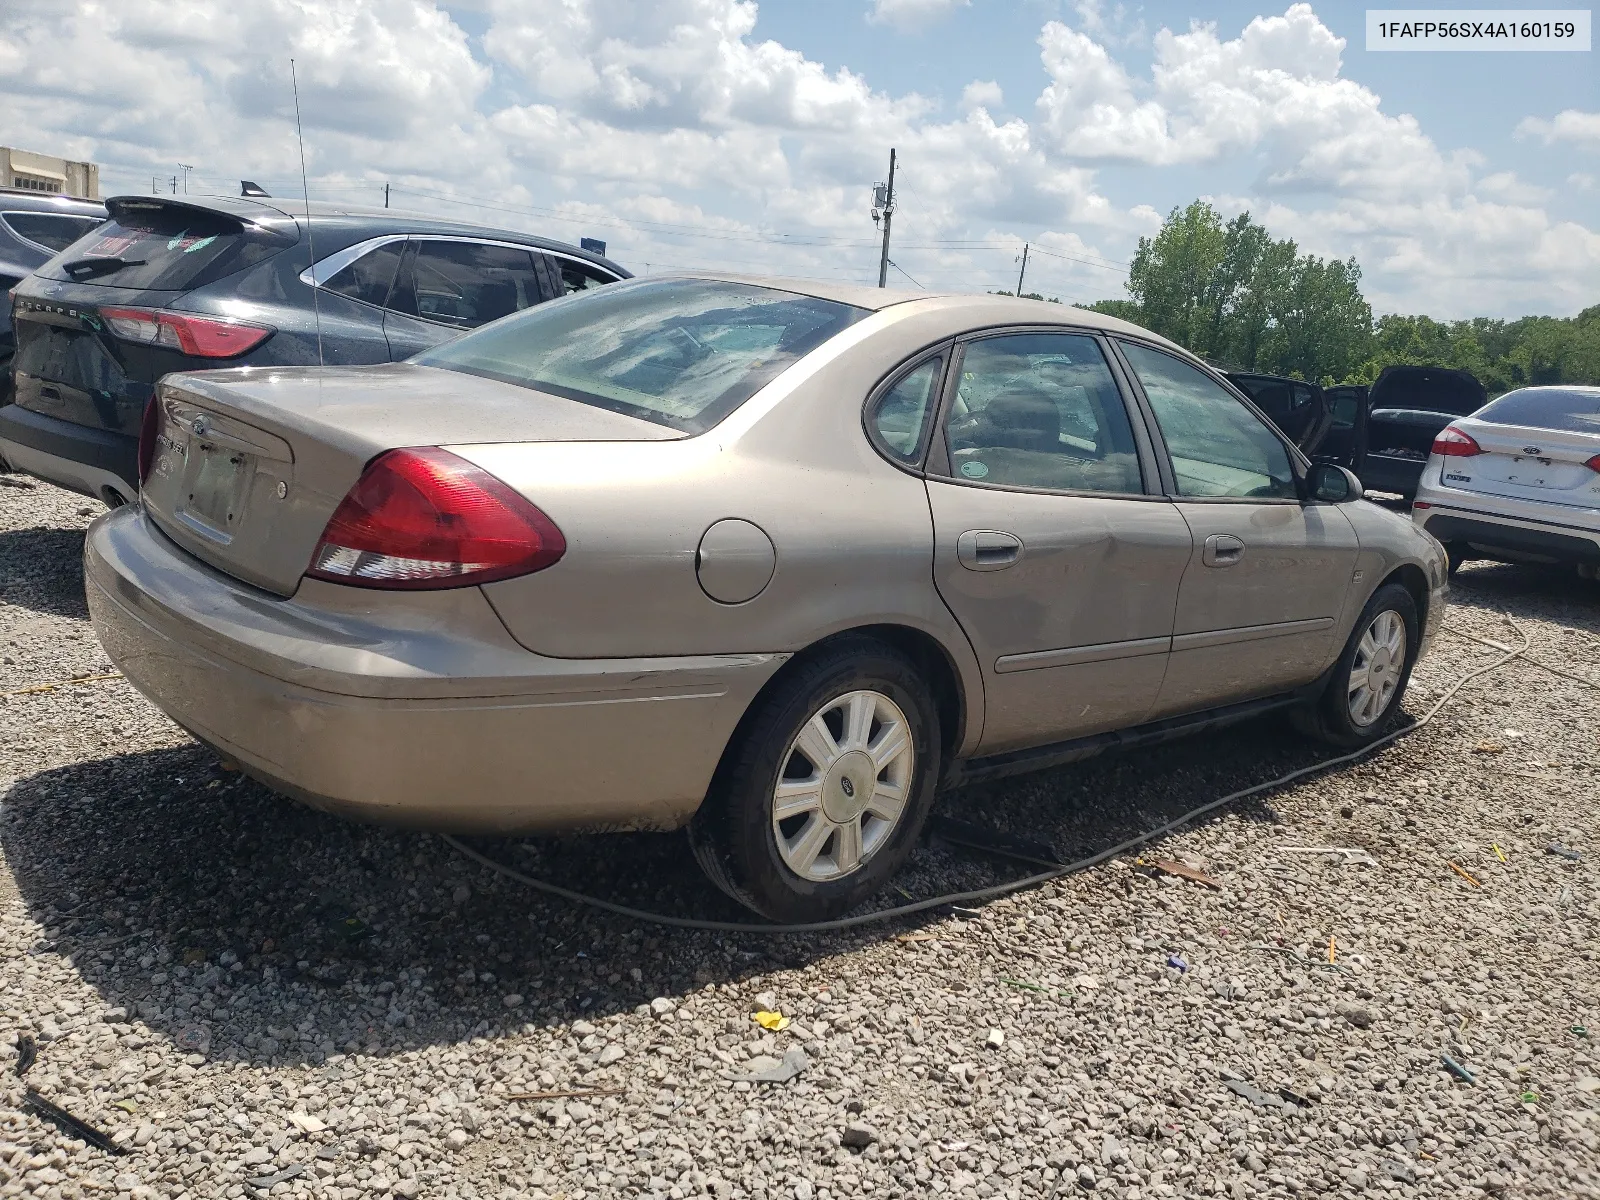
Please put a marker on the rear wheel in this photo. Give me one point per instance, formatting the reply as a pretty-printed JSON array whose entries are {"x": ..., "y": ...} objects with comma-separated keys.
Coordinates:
[
  {"x": 1457, "y": 553},
  {"x": 1369, "y": 680},
  {"x": 826, "y": 786}
]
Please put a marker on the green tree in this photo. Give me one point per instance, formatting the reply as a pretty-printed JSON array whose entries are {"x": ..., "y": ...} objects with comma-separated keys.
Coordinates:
[{"x": 1232, "y": 293}]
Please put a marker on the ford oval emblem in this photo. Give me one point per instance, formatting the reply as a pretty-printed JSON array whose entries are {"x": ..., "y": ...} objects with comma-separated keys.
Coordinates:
[{"x": 1533, "y": 450}]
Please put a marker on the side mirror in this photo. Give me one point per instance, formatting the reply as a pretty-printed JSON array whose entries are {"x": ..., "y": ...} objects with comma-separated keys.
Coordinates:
[{"x": 1333, "y": 484}]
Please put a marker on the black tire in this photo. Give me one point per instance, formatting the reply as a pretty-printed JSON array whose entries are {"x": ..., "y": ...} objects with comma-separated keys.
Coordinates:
[
  {"x": 733, "y": 835},
  {"x": 1456, "y": 552},
  {"x": 1329, "y": 717}
]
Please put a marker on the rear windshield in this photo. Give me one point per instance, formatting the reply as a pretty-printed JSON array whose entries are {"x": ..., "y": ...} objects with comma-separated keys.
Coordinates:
[
  {"x": 680, "y": 352},
  {"x": 165, "y": 247},
  {"x": 1575, "y": 410}
]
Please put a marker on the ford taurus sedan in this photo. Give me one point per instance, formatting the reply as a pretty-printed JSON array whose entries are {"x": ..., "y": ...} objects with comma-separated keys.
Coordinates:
[{"x": 767, "y": 559}]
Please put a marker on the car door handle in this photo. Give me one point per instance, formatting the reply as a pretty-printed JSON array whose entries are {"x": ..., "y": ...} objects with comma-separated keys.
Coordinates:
[
  {"x": 987, "y": 549},
  {"x": 1222, "y": 550}
]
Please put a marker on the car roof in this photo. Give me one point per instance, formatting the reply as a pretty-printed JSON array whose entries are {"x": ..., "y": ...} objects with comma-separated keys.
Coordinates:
[
  {"x": 986, "y": 308},
  {"x": 373, "y": 221},
  {"x": 18, "y": 200}
]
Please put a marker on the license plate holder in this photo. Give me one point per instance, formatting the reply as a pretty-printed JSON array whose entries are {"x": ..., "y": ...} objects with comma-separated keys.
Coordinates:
[{"x": 216, "y": 488}]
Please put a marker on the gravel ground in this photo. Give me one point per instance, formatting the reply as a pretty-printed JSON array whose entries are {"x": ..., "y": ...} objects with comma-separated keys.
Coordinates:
[{"x": 239, "y": 990}]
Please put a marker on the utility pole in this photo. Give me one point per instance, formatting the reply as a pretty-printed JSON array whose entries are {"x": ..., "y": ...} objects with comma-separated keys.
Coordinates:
[
  {"x": 887, "y": 206},
  {"x": 155, "y": 185},
  {"x": 174, "y": 185},
  {"x": 185, "y": 168},
  {"x": 386, "y": 195},
  {"x": 1024, "y": 270}
]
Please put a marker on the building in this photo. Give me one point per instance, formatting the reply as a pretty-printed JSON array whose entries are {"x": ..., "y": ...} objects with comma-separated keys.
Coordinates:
[{"x": 29, "y": 172}]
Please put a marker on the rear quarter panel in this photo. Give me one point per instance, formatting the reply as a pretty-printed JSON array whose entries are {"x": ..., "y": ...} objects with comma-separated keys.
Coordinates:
[{"x": 852, "y": 534}]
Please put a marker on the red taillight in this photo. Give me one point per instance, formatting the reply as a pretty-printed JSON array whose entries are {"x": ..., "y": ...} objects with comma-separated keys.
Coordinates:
[
  {"x": 198, "y": 337},
  {"x": 1594, "y": 463},
  {"x": 1452, "y": 443},
  {"x": 1421, "y": 504},
  {"x": 148, "y": 428},
  {"x": 426, "y": 518}
]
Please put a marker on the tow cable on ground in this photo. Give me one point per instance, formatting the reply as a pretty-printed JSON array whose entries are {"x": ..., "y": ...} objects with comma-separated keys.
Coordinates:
[{"x": 990, "y": 893}]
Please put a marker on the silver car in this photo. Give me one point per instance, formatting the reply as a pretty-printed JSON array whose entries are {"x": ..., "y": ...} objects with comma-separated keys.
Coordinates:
[
  {"x": 767, "y": 559},
  {"x": 1518, "y": 480}
]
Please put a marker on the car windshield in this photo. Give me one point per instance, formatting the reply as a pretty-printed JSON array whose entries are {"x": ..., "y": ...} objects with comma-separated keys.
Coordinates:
[
  {"x": 1574, "y": 410},
  {"x": 679, "y": 352}
]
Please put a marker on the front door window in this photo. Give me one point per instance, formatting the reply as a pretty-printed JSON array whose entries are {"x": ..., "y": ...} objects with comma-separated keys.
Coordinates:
[{"x": 1219, "y": 448}]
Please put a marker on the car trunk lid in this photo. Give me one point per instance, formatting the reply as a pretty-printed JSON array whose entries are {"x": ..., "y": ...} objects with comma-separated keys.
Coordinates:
[
  {"x": 249, "y": 464},
  {"x": 1525, "y": 463}
]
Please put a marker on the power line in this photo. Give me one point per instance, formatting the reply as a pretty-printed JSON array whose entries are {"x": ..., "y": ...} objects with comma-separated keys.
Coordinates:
[{"x": 902, "y": 271}]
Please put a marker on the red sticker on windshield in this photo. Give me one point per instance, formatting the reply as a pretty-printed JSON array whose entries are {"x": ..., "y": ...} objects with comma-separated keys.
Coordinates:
[{"x": 113, "y": 245}]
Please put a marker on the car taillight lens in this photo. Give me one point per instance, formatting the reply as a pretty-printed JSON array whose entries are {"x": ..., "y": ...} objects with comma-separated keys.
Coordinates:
[
  {"x": 1594, "y": 463},
  {"x": 1452, "y": 443},
  {"x": 148, "y": 428},
  {"x": 199, "y": 337},
  {"x": 427, "y": 518}
]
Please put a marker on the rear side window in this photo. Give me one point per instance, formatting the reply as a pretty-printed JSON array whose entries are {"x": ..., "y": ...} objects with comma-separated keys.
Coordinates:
[
  {"x": 683, "y": 353},
  {"x": 1573, "y": 410},
  {"x": 166, "y": 247},
  {"x": 369, "y": 278},
  {"x": 580, "y": 277},
  {"x": 53, "y": 231},
  {"x": 466, "y": 284},
  {"x": 900, "y": 415}
]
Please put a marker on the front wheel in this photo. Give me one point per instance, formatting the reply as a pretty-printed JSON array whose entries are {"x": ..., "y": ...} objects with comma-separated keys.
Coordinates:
[
  {"x": 1370, "y": 678},
  {"x": 826, "y": 786}
]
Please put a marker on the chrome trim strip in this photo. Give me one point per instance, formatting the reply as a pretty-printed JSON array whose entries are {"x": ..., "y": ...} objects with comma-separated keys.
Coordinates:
[
  {"x": 325, "y": 269},
  {"x": 1247, "y": 633},
  {"x": 1074, "y": 655}
]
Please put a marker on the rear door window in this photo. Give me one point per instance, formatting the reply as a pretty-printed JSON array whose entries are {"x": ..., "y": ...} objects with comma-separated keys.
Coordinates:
[
  {"x": 166, "y": 247},
  {"x": 53, "y": 231},
  {"x": 466, "y": 284},
  {"x": 370, "y": 277},
  {"x": 1041, "y": 410},
  {"x": 580, "y": 276}
]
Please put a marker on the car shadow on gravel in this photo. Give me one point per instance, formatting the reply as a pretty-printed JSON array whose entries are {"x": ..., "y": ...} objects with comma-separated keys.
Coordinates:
[
  {"x": 195, "y": 897},
  {"x": 42, "y": 569}
]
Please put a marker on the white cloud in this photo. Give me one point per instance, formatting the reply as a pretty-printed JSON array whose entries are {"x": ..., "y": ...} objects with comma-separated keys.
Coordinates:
[
  {"x": 912, "y": 14},
  {"x": 1580, "y": 128},
  {"x": 633, "y": 119},
  {"x": 1276, "y": 88},
  {"x": 982, "y": 93}
]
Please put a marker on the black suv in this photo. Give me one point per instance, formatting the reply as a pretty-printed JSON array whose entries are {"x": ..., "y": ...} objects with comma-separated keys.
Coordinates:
[
  {"x": 33, "y": 229},
  {"x": 183, "y": 283}
]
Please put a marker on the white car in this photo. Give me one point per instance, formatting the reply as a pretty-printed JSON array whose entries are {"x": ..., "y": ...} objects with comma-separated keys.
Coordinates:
[{"x": 1518, "y": 480}]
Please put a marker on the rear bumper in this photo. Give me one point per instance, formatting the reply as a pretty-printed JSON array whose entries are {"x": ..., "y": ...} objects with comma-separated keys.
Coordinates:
[
  {"x": 1516, "y": 537},
  {"x": 428, "y": 715},
  {"x": 76, "y": 457}
]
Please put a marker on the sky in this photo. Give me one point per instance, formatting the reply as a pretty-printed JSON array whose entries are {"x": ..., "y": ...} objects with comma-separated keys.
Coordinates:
[{"x": 730, "y": 135}]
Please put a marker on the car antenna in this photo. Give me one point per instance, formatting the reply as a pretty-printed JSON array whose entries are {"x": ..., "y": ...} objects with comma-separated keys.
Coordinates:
[{"x": 305, "y": 188}]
